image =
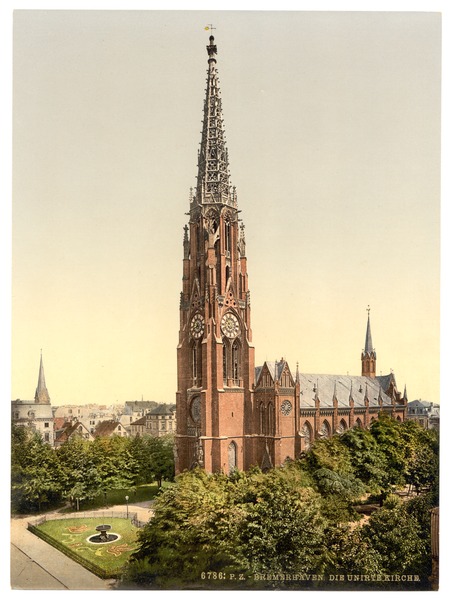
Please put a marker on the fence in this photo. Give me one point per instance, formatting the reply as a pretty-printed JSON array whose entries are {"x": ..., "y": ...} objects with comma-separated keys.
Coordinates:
[
  {"x": 132, "y": 516},
  {"x": 100, "y": 514}
]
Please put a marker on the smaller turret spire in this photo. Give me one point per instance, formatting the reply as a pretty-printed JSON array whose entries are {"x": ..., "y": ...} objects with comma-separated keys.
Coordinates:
[
  {"x": 41, "y": 394},
  {"x": 368, "y": 347},
  {"x": 368, "y": 356}
]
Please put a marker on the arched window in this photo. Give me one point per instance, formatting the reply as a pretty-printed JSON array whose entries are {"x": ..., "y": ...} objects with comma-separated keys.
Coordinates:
[
  {"x": 359, "y": 423},
  {"x": 271, "y": 419},
  {"x": 232, "y": 456},
  {"x": 236, "y": 361},
  {"x": 307, "y": 434},
  {"x": 342, "y": 427},
  {"x": 227, "y": 236},
  {"x": 262, "y": 419},
  {"x": 325, "y": 429},
  {"x": 196, "y": 363},
  {"x": 225, "y": 363}
]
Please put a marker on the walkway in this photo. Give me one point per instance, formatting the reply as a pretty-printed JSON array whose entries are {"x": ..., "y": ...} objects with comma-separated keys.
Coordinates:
[{"x": 36, "y": 565}]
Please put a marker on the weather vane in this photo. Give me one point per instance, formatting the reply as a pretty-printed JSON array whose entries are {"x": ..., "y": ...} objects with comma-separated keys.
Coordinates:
[
  {"x": 210, "y": 26},
  {"x": 368, "y": 310}
]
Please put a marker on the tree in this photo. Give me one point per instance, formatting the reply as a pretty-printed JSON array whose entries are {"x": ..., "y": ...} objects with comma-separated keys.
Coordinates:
[
  {"x": 330, "y": 466},
  {"x": 239, "y": 525},
  {"x": 161, "y": 455},
  {"x": 35, "y": 471},
  {"x": 397, "y": 537},
  {"x": 367, "y": 458}
]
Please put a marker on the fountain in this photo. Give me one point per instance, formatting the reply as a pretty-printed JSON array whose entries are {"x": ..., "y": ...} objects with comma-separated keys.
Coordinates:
[{"x": 103, "y": 536}]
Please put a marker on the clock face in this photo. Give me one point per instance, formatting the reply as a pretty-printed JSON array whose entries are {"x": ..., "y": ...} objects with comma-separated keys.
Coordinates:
[
  {"x": 230, "y": 325},
  {"x": 286, "y": 407},
  {"x": 195, "y": 409},
  {"x": 197, "y": 326}
]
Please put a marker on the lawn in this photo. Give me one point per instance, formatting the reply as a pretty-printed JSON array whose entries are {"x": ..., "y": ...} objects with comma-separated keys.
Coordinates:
[
  {"x": 118, "y": 497},
  {"x": 72, "y": 535}
]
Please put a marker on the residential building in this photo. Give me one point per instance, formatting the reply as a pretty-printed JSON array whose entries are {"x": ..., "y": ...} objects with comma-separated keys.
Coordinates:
[
  {"x": 161, "y": 420},
  {"x": 70, "y": 430},
  {"x": 110, "y": 428},
  {"x": 426, "y": 413}
]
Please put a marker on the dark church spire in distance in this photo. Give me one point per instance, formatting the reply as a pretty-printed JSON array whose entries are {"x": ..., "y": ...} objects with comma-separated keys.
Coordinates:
[{"x": 41, "y": 394}]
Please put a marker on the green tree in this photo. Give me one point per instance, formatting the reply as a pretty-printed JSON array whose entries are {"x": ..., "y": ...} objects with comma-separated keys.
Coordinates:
[
  {"x": 35, "y": 472},
  {"x": 241, "y": 524},
  {"x": 161, "y": 455},
  {"x": 397, "y": 537},
  {"x": 367, "y": 459}
]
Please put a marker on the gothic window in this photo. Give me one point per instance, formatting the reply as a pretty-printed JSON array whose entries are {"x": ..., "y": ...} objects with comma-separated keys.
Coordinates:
[
  {"x": 307, "y": 434},
  {"x": 232, "y": 456},
  {"x": 325, "y": 430},
  {"x": 225, "y": 363},
  {"x": 262, "y": 419},
  {"x": 227, "y": 236},
  {"x": 196, "y": 363},
  {"x": 271, "y": 419},
  {"x": 285, "y": 379},
  {"x": 342, "y": 427},
  {"x": 358, "y": 423},
  {"x": 236, "y": 361}
]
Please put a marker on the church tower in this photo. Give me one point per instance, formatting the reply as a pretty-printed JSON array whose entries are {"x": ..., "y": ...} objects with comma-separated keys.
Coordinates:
[
  {"x": 215, "y": 356},
  {"x": 41, "y": 393},
  {"x": 368, "y": 356}
]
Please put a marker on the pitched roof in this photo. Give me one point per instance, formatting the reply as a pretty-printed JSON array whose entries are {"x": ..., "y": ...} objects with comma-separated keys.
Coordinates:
[
  {"x": 344, "y": 387},
  {"x": 68, "y": 429},
  {"x": 163, "y": 409},
  {"x": 140, "y": 422},
  {"x": 106, "y": 428}
]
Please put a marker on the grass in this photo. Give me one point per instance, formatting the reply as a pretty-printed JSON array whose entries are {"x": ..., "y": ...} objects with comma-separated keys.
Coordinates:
[
  {"x": 118, "y": 497},
  {"x": 73, "y": 533}
]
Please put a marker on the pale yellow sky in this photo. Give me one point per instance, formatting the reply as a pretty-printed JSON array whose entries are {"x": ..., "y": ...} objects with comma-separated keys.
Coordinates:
[{"x": 333, "y": 131}]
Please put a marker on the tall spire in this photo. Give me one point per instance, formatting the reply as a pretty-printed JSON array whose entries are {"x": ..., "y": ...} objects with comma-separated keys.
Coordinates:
[
  {"x": 213, "y": 184},
  {"x": 41, "y": 394},
  {"x": 369, "y": 355},
  {"x": 368, "y": 347}
]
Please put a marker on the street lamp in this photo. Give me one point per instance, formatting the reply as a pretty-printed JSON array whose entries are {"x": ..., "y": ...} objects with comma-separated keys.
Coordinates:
[{"x": 127, "y": 506}]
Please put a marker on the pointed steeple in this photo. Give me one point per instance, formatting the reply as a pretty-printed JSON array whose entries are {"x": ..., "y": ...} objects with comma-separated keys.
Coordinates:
[
  {"x": 368, "y": 356},
  {"x": 213, "y": 165},
  {"x": 41, "y": 394},
  {"x": 368, "y": 347}
]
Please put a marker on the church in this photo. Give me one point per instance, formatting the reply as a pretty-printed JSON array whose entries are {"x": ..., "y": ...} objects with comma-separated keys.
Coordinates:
[{"x": 230, "y": 413}]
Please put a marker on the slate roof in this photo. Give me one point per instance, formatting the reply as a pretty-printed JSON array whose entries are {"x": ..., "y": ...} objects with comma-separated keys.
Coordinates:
[
  {"x": 163, "y": 409},
  {"x": 140, "y": 422},
  {"x": 326, "y": 386}
]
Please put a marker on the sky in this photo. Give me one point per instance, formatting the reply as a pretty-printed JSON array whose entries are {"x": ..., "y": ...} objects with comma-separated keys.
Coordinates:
[{"x": 333, "y": 130}]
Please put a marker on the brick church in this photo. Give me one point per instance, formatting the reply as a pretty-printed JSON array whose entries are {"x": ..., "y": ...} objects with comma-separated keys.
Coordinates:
[{"x": 231, "y": 414}]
